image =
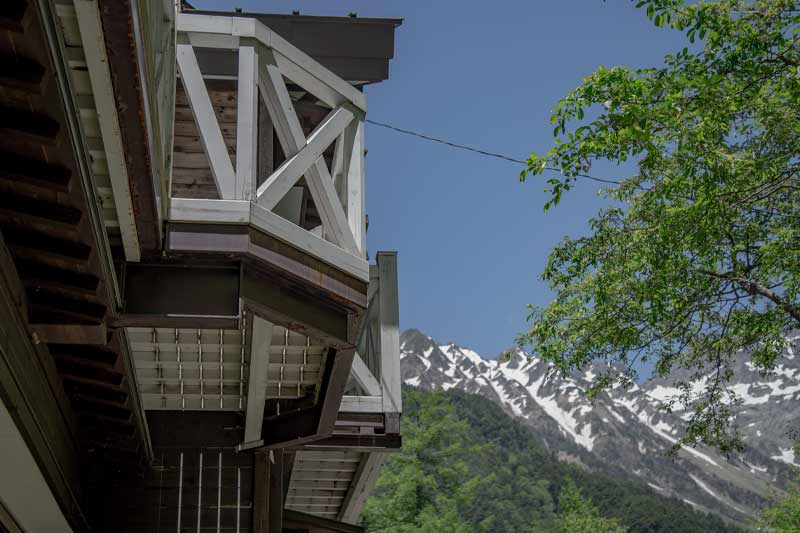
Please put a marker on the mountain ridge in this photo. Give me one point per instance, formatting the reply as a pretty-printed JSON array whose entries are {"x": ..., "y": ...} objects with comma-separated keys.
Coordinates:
[{"x": 625, "y": 432}]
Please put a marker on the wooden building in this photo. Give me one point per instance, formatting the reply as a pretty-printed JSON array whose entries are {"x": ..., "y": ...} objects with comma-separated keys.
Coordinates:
[{"x": 192, "y": 336}]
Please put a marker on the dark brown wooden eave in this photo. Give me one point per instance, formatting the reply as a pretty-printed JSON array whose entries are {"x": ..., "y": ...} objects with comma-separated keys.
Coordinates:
[
  {"x": 54, "y": 237},
  {"x": 123, "y": 61},
  {"x": 356, "y": 49}
]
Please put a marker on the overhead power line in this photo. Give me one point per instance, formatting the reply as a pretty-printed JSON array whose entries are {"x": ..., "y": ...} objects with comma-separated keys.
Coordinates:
[{"x": 478, "y": 150}]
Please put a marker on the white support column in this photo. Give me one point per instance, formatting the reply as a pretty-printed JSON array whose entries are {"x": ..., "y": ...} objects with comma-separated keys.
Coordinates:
[
  {"x": 356, "y": 204},
  {"x": 94, "y": 47},
  {"x": 390, "y": 332},
  {"x": 206, "y": 120},
  {"x": 257, "y": 382},
  {"x": 246, "y": 123}
]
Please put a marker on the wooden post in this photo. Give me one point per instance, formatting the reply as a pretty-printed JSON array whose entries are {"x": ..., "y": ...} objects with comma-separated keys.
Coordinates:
[
  {"x": 246, "y": 123},
  {"x": 390, "y": 332},
  {"x": 207, "y": 124},
  {"x": 268, "y": 491}
]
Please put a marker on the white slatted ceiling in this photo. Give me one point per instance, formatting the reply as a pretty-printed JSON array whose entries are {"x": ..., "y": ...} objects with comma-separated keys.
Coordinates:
[
  {"x": 320, "y": 481},
  {"x": 208, "y": 369}
]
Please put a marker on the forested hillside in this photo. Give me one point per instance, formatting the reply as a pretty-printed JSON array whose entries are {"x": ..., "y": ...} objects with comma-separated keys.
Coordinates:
[{"x": 466, "y": 466}]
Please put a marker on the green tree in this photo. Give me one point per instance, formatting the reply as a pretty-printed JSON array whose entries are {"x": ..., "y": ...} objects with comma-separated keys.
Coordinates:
[
  {"x": 698, "y": 256},
  {"x": 784, "y": 516},
  {"x": 577, "y": 515},
  {"x": 429, "y": 485}
]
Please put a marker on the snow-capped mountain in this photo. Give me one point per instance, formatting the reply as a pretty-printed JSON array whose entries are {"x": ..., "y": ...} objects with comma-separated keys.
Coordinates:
[{"x": 626, "y": 432}]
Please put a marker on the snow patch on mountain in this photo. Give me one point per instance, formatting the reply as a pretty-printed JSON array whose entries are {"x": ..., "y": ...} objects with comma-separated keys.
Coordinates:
[{"x": 629, "y": 428}]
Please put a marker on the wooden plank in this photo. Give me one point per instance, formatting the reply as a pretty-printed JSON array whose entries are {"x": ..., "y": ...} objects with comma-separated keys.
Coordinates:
[
  {"x": 91, "y": 31},
  {"x": 251, "y": 28},
  {"x": 303, "y": 521},
  {"x": 365, "y": 378},
  {"x": 284, "y": 178},
  {"x": 361, "y": 487},
  {"x": 390, "y": 332},
  {"x": 361, "y": 404},
  {"x": 247, "y": 123},
  {"x": 276, "y": 491},
  {"x": 206, "y": 121},
  {"x": 290, "y": 134},
  {"x": 257, "y": 380},
  {"x": 193, "y": 210},
  {"x": 71, "y": 334},
  {"x": 279, "y": 104},
  {"x": 308, "y": 81},
  {"x": 356, "y": 198},
  {"x": 305, "y": 241}
]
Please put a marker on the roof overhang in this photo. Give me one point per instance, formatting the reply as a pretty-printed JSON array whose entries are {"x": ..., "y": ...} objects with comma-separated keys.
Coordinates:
[{"x": 356, "y": 49}]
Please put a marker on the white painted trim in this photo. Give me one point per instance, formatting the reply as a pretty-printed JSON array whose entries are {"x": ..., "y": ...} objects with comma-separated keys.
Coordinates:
[
  {"x": 356, "y": 201},
  {"x": 361, "y": 404},
  {"x": 91, "y": 30},
  {"x": 244, "y": 212},
  {"x": 284, "y": 178},
  {"x": 390, "y": 332},
  {"x": 279, "y": 104},
  {"x": 251, "y": 28},
  {"x": 364, "y": 377},
  {"x": 246, "y": 123},
  {"x": 290, "y": 134},
  {"x": 209, "y": 211},
  {"x": 305, "y": 241},
  {"x": 257, "y": 380},
  {"x": 207, "y": 125},
  {"x": 308, "y": 81}
]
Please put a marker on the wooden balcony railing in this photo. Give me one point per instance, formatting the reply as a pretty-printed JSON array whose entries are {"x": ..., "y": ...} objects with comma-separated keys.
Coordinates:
[
  {"x": 376, "y": 367},
  {"x": 240, "y": 190}
]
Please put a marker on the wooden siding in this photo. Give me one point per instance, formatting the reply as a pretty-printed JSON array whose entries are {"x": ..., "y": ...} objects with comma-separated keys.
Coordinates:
[{"x": 191, "y": 170}]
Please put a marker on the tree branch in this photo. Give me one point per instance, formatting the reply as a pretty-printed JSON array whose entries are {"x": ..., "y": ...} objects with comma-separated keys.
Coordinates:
[{"x": 756, "y": 289}]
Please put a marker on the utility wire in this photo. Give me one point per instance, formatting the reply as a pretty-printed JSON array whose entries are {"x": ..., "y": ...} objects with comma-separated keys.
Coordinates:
[{"x": 479, "y": 151}]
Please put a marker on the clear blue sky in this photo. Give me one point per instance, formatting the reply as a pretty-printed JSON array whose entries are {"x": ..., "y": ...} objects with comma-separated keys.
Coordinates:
[{"x": 471, "y": 239}]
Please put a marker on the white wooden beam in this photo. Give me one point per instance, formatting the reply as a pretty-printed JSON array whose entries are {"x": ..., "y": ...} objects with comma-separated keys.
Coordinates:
[
  {"x": 207, "y": 125},
  {"x": 209, "y": 211},
  {"x": 290, "y": 134},
  {"x": 307, "y": 242},
  {"x": 279, "y": 104},
  {"x": 390, "y": 332},
  {"x": 257, "y": 380},
  {"x": 246, "y": 123},
  {"x": 356, "y": 201},
  {"x": 284, "y": 178},
  {"x": 334, "y": 220},
  {"x": 308, "y": 81},
  {"x": 361, "y": 404},
  {"x": 364, "y": 377},
  {"x": 94, "y": 46},
  {"x": 243, "y": 212}
]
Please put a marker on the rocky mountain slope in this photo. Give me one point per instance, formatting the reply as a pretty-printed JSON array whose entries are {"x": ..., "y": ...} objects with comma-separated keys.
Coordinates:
[{"x": 626, "y": 432}]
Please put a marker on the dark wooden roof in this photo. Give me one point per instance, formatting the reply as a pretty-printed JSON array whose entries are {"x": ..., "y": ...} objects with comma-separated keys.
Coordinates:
[{"x": 356, "y": 49}]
